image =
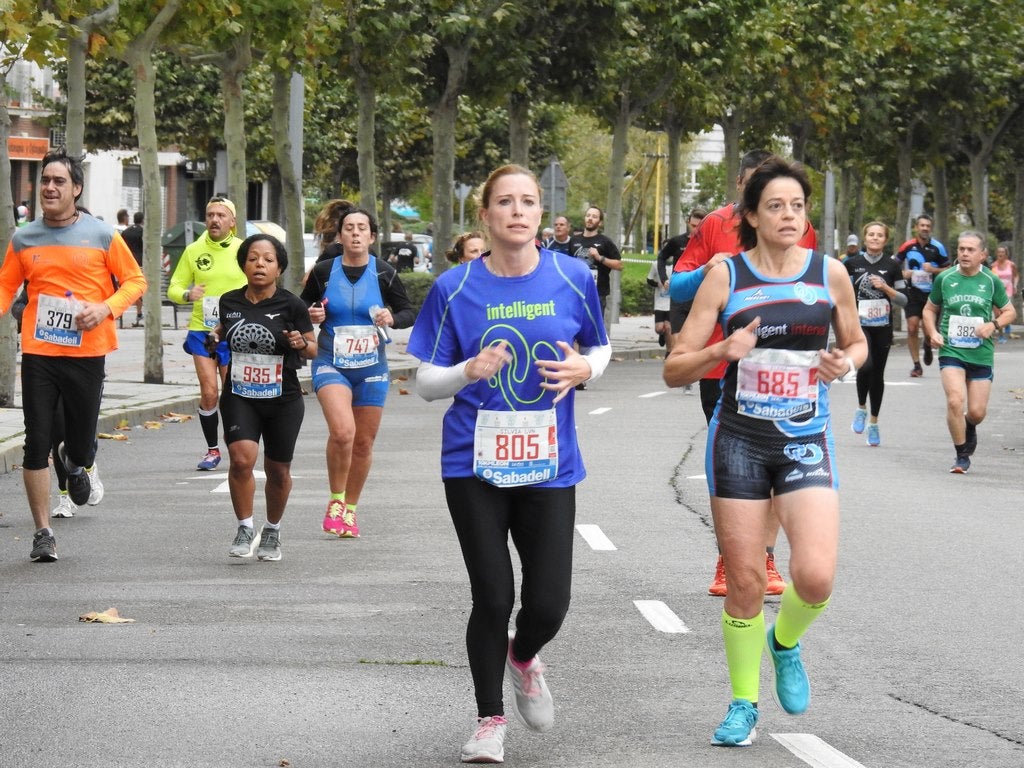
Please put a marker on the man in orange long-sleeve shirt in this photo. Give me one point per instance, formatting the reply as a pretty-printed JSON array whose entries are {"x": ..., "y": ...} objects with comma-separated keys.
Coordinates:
[
  {"x": 714, "y": 240},
  {"x": 66, "y": 258}
]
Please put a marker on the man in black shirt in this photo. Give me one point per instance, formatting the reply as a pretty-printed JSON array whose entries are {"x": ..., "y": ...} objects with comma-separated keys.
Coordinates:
[
  {"x": 133, "y": 237},
  {"x": 598, "y": 251}
]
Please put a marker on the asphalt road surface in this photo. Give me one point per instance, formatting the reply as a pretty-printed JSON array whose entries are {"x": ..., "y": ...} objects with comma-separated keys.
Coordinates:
[{"x": 351, "y": 652}]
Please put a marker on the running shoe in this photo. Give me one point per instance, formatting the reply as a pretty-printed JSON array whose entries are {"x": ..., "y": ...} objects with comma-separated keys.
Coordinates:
[
  {"x": 270, "y": 545},
  {"x": 65, "y": 506},
  {"x": 245, "y": 542},
  {"x": 78, "y": 482},
  {"x": 776, "y": 584},
  {"x": 350, "y": 529},
  {"x": 963, "y": 463},
  {"x": 44, "y": 547},
  {"x": 95, "y": 485},
  {"x": 792, "y": 689},
  {"x": 916, "y": 372},
  {"x": 1001, "y": 339},
  {"x": 860, "y": 417},
  {"x": 971, "y": 441},
  {"x": 874, "y": 436},
  {"x": 210, "y": 460},
  {"x": 334, "y": 521},
  {"x": 927, "y": 353},
  {"x": 718, "y": 587},
  {"x": 487, "y": 744},
  {"x": 532, "y": 701},
  {"x": 737, "y": 730}
]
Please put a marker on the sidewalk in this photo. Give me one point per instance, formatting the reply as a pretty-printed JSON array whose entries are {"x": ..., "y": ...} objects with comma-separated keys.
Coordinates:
[{"x": 126, "y": 396}]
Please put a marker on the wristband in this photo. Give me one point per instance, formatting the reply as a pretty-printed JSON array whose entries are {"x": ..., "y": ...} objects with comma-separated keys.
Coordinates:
[{"x": 852, "y": 370}]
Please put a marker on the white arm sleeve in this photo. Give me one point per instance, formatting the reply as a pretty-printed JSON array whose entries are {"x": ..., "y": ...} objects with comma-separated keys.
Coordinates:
[
  {"x": 598, "y": 358},
  {"x": 434, "y": 382}
]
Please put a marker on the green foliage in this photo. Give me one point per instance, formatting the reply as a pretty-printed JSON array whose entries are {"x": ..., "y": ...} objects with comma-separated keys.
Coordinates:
[{"x": 416, "y": 286}]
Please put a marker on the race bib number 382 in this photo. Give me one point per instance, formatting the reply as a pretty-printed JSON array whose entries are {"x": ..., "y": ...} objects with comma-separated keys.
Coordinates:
[{"x": 512, "y": 448}]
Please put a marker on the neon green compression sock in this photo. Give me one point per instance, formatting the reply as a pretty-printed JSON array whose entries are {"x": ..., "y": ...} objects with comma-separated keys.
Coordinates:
[
  {"x": 795, "y": 616},
  {"x": 743, "y": 647}
]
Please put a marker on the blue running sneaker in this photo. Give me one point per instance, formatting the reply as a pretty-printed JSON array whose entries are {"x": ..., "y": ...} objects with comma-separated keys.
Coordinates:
[
  {"x": 874, "y": 436},
  {"x": 737, "y": 730},
  {"x": 792, "y": 689},
  {"x": 859, "y": 417},
  {"x": 963, "y": 463}
]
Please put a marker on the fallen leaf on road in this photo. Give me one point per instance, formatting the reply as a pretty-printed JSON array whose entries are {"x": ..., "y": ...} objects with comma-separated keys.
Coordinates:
[
  {"x": 109, "y": 616},
  {"x": 123, "y": 424},
  {"x": 152, "y": 425},
  {"x": 108, "y": 436},
  {"x": 174, "y": 418},
  {"x": 403, "y": 391}
]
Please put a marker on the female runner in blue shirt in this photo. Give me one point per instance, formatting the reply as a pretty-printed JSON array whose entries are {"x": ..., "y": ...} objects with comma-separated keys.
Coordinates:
[{"x": 496, "y": 334}]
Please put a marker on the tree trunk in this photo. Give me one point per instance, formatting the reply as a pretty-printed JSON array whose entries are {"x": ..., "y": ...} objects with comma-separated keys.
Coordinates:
[
  {"x": 519, "y": 129},
  {"x": 905, "y": 174},
  {"x": 613, "y": 216},
  {"x": 365, "y": 154},
  {"x": 1018, "y": 237},
  {"x": 844, "y": 227},
  {"x": 291, "y": 183},
  {"x": 857, "y": 194},
  {"x": 674, "y": 133},
  {"x": 940, "y": 192},
  {"x": 232, "y": 80},
  {"x": 442, "y": 122},
  {"x": 8, "y": 328},
  {"x": 385, "y": 209},
  {"x": 731, "y": 127},
  {"x": 74, "y": 120}
]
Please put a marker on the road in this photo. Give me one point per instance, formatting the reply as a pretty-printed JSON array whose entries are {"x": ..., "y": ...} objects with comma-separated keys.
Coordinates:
[{"x": 350, "y": 652}]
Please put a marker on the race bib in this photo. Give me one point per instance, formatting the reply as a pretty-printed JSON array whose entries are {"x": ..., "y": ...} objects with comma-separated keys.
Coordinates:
[
  {"x": 355, "y": 346},
  {"x": 55, "y": 321},
  {"x": 211, "y": 311},
  {"x": 921, "y": 280},
  {"x": 963, "y": 332},
  {"x": 777, "y": 384},
  {"x": 256, "y": 376},
  {"x": 513, "y": 448},
  {"x": 873, "y": 312}
]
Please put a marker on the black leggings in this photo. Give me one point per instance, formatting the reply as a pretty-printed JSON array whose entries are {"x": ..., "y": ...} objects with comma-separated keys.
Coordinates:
[
  {"x": 871, "y": 376},
  {"x": 77, "y": 382},
  {"x": 541, "y": 521}
]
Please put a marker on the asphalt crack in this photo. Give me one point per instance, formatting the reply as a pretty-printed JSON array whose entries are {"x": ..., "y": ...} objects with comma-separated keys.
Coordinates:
[{"x": 925, "y": 708}]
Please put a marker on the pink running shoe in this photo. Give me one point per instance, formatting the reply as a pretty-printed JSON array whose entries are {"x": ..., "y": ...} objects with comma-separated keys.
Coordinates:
[{"x": 334, "y": 520}]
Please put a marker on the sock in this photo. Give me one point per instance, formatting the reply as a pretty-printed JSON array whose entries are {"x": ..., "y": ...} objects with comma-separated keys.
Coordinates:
[
  {"x": 770, "y": 550},
  {"x": 744, "y": 639},
  {"x": 795, "y": 616},
  {"x": 272, "y": 526},
  {"x": 338, "y": 497},
  {"x": 961, "y": 450},
  {"x": 209, "y": 421},
  {"x": 351, "y": 508},
  {"x": 48, "y": 531},
  {"x": 247, "y": 522}
]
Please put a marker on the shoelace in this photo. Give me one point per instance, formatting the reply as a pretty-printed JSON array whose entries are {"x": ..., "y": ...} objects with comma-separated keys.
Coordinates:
[
  {"x": 335, "y": 509},
  {"x": 528, "y": 679},
  {"x": 245, "y": 536},
  {"x": 348, "y": 517},
  {"x": 720, "y": 571},
  {"x": 739, "y": 715},
  {"x": 487, "y": 727},
  {"x": 270, "y": 538}
]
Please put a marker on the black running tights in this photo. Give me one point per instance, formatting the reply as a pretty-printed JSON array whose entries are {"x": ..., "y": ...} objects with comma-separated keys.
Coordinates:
[{"x": 871, "y": 376}]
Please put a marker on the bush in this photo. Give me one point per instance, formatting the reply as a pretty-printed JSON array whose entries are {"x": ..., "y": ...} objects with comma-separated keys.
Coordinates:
[{"x": 416, "y": 286}]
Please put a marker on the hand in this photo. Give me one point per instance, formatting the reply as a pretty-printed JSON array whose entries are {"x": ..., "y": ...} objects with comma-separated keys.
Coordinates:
[
  {"x": 384, "y": 317},
  {"x": 197, "y": 292},
  {"x": 737, "y": 344},
  {"x": 832, "y": 364},
  {"x": 984, "y": 332},
  {"x": 562, "y": 375},
  {"x": 877, "y": 282},
  {"x": 715, "y": 260},
  {"x": 488, "y": 362},
  {"x": 317, "y": 313},
  {"x": 91, "y": 315},
  {"x": 295, "y": 340}
]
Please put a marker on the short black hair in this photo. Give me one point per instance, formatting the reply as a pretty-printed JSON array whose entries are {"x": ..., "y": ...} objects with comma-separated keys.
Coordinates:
[
  {"x": 279, "y": 250},
  {"x": 139, "y": 217}
]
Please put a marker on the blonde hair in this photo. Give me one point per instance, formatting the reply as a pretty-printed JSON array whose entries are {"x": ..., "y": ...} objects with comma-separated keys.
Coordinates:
[{"x": 328, "y": 221}]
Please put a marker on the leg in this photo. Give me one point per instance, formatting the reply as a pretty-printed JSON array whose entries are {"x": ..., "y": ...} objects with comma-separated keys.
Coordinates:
[
  {"x": 978, "y": 391},
  {"x": 240, "y": 478},
  {"x": 367, "y": 423},
  {"x": 480, "y": 514},
  {"x": 210, "y": 377},
  {"x": 278, "y": 488},
  {"x": 336, "y": 403},
  {"x": 954, "y": 382}
]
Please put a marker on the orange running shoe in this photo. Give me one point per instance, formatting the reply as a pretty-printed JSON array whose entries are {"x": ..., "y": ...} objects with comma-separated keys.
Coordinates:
[
  {"x": 776, "y": 584},
  {"x": 718, "y": 588}
]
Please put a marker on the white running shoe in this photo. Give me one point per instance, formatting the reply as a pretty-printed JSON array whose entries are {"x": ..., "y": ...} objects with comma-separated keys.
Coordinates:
[
  {"x": 65, "y": 506},
  {"x": 487, "y": 744},
  {"x": 95, "y": 485},
  {"x": 532, "y": 701}
]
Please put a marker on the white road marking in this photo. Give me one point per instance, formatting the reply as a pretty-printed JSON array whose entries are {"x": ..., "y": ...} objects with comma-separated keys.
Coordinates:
[
  {"x": 599, "y": 411},
  {"x": 697, "y": 477},
  {"x": 595, "y": 537},
  {"x": 814, "y": 751},
  {"x": 223, "y": 487},
  {"x": 660, "y": 616},
  {"x": 653, "y": 394}
]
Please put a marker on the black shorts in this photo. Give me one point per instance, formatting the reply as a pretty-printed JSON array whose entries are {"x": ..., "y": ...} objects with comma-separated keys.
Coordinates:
[
  {"x": 916, "y": 300},
  {"x": 753, "y": 467},
  {"x": 660, "y": 315},
  {"x": 277, "y": 421},
  {"x": 677, "y": 312}
]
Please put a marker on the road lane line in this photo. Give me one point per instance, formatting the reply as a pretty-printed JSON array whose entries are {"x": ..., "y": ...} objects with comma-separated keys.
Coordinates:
[
  {"x": 595, "y": 537},
  {"x": 660, "y": 616},
  {"x": 814, "y": 751},
  {"x": 653, "y": 394},
  {"x": 599, "y": 411}
]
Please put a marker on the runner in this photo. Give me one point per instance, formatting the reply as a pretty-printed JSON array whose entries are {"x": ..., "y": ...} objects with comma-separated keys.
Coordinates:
[
  {"x": 350, "y": 373},
  {"x": 770, "y": 442},
  {"x": 1006, "y": 271},
  {"x": 496, "y": 334},
  {"x": 878, "y": 284},
  {"x": 269, "y": 335},
  {"x": 923, "y": 257},
  {"x": 966, "y": 297}
]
